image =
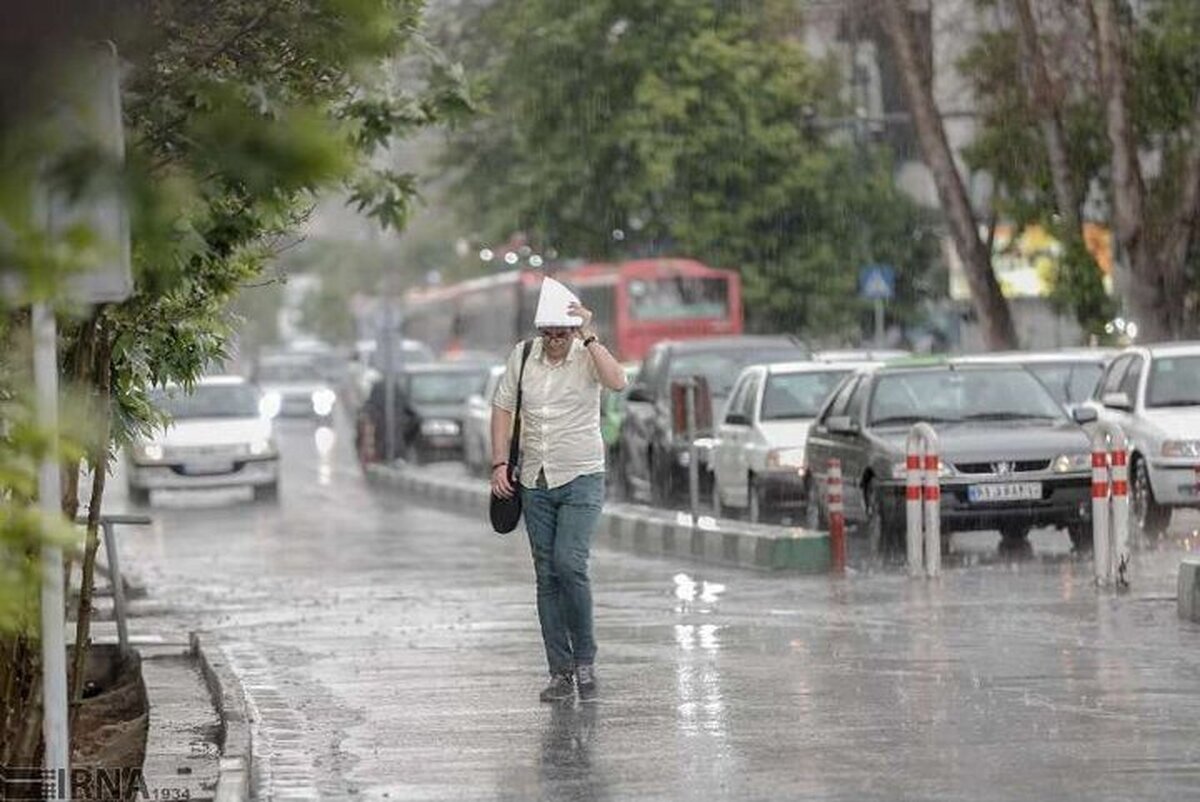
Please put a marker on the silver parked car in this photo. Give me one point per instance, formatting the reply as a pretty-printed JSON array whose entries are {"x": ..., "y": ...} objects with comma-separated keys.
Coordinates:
[
  {"x": 1153, "y": 394},
  {"x": 758, "y": 457},
  {"x": 477, "y": 425}
]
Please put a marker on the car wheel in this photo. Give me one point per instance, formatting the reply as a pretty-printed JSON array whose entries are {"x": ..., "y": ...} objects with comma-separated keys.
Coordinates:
[
  {"x": 814, "y": 513},
  {"x": 755, "y": 500},
  {"x": 1081, "y": 536},
  {"x": 660, "y": 482},
  {"x": 884, "y": 534},
  {"x": 267, "y": 492},
  {"x": 1150, "y": 517},
  {"x": 1014, "y": 533},
  {"x": 139, "y": 496}
]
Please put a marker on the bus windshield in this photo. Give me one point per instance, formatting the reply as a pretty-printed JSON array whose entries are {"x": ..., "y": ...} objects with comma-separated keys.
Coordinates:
[{"x": 678, "y": 298}]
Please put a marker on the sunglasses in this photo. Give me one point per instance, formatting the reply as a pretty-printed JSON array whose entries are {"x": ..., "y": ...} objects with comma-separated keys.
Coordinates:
[{"x": 556, "y": 334}]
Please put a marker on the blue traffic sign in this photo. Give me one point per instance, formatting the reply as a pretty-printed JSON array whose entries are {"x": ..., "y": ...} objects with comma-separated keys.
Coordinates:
[{"x": 877, "y": 282}]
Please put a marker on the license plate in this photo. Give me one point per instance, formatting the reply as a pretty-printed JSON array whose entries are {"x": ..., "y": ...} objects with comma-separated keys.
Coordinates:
[
  {"x": 1015, "y": 491},
  {"x": 201, "y": 467}
]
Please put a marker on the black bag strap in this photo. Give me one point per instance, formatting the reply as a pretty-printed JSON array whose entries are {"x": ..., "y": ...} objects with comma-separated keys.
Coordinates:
[{"x": 514, "y": 445}]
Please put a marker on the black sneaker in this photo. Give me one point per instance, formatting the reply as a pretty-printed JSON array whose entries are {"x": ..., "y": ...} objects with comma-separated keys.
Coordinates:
[
  {"x": 585, "y": 679},
  {"x": 562, "y": 686}
]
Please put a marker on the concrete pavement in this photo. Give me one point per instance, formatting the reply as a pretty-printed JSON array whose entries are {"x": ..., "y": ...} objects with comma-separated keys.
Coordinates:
[{"x": 391, "y": 651}]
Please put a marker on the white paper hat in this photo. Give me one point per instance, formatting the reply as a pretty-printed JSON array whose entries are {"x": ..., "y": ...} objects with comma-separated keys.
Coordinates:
[{"x": 552, "y": 306}]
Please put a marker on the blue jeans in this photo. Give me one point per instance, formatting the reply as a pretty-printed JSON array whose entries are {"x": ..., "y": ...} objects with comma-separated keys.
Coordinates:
[{"x": 560, "y": 522}]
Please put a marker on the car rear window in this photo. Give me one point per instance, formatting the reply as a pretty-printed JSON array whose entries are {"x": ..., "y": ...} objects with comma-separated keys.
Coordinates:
[{"x": 798, "y": 395}]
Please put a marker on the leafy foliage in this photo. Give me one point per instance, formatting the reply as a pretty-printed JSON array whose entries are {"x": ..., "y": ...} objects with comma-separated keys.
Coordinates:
[{"x": 626, "y": 127}]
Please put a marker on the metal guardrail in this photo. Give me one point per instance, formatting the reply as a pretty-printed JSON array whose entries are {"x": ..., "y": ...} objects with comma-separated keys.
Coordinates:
[{"x": 108, "y": 524}]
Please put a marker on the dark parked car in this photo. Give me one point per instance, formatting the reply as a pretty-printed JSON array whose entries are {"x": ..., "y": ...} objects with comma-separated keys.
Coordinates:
[
  {"x": 1011, "y": 457},
  {"x": 429, "y": 403},
  {"x": 651, "y": 462}
]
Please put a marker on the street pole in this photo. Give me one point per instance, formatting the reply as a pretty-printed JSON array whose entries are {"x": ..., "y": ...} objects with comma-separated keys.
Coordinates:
[
  {"x": 54, "y": 644},
  {"x": 389, "y": 381},
  {"x": 878, "y": 322},
  {"x": 693, "y": 451}
]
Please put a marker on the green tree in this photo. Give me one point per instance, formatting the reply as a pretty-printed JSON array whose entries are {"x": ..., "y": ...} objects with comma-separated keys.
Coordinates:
[
  {"x": 629, "y": 127},
  {"x": 1071, "y": 93},
  {"x": 237, "y": 114}
]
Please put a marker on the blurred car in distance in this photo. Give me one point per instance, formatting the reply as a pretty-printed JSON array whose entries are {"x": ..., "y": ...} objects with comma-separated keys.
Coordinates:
[
  {"x": 1070, "y": 374},
  {"x": 652, "y": 462},
  {"x": 367, "y": 366},
  {"x": 477, "y": 425},
  {"x": 1153, "y": 394},
  {"x": 297, "y": 380},
  {"x": 219, "y": 435},
  {"x": 1011, "y": 457},
  {"x": 429, "y": 404},
  {"x": 758, "y": 455}
]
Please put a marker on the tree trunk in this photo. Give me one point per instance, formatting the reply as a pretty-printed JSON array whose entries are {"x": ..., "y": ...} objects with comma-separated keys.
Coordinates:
[
  {"x": 989, "y": 303},
  {"x": 1045, "y": 103},
  {"x": 1138, "y": 281},
  {"x": 102, "y": 373}
]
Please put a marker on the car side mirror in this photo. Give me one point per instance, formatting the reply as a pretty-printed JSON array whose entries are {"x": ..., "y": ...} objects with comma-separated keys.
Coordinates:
[
  {"x": 841, "y": 424},
  {"x": 1082, "y": 415},
  {"x": 1117, "y": 401},
  {"x": 640, "y": 393},
  {"x": 737, "y": 419}
]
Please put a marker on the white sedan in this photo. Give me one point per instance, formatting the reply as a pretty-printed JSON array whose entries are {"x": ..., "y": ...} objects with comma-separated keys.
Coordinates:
[
  {"x": 1153, "y": 394},
  {"x": 219, "y": 435},
  {"x": 758, "y": 456}
]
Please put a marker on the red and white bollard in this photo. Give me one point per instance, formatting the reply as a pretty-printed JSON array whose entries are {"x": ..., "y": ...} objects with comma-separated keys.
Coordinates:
[
  {"x": 837, "y": 514},
  {"x": 1110, "y": 503},
  {"x": 923, "y": 501}
]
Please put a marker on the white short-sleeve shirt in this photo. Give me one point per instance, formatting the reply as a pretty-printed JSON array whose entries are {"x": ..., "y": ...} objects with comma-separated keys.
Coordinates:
[{"x": 560, "y": 414}]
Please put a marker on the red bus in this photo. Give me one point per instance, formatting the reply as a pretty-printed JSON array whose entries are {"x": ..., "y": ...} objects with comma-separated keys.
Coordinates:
[{"x": 636, "y": 304}]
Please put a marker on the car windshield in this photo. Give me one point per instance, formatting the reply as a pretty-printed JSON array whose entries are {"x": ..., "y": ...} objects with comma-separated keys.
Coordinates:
[
  {"x": 444, "y": 388},
  {"x": 1174, "y": 382},
  {"x": 721, "y": 368},
  {"x": 798, "y": 395},
  {"x": 1069, "y": 382},
  {"x": 678, "y": 297},
  {"x": 291, "y": 370},
  {"x": 208, "y": 401},
  {"x": 961, "y": 395}
]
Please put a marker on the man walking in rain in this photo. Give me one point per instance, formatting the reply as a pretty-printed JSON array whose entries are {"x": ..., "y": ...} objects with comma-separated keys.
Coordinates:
[{"x": 561, "y": 479}]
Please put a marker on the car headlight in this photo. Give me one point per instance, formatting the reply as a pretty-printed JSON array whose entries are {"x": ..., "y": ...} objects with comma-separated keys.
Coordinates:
[
  {"x": 434, "y": 428},
  {"x": 270, "y": 404},
  {"x": 1070, "y": 463},
  {"x": 900, "y": 469},
  {"x": 1181, "y": 448},
  {"x": 323, "y": 401},
  {"x": 149, "y": 452},
  {"x": 261, "y": 446},
  {"x": 792, "y": 458}
]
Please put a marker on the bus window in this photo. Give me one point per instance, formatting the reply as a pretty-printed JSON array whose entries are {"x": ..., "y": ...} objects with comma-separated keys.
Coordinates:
[{"x": 678, "y": 297}]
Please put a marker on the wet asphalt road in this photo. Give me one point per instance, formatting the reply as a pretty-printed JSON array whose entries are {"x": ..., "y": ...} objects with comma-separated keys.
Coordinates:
[{"x": 392, "y": 651}]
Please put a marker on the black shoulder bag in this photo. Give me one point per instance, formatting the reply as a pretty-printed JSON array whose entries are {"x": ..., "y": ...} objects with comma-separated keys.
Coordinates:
[{"x": 506, "y": 512}]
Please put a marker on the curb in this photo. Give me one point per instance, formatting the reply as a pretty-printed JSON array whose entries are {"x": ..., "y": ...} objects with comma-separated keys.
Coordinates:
[
  {"x": 233, "y": 783},
  {"x": 645, "y": 530},
  {"x": 1189, "y": 589}
]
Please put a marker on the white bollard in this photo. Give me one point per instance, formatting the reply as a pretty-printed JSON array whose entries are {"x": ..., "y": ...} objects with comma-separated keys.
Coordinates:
[
  {"x": 1100, "y": 538},
  {"x": 913, "y": 525},
  {"x": 1110, "y": 503},
  {"x": 922, "y": 501},
  {"x": 933, "y": 508}
]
